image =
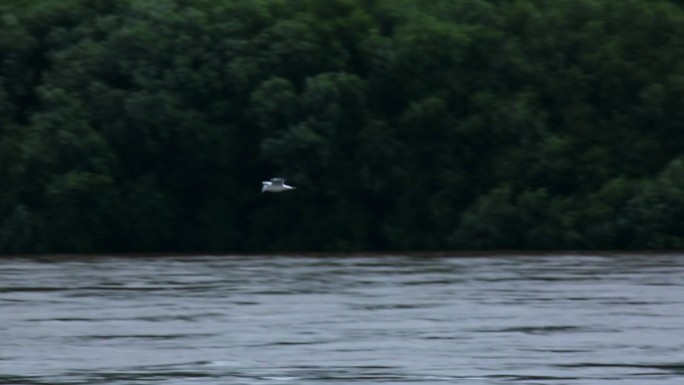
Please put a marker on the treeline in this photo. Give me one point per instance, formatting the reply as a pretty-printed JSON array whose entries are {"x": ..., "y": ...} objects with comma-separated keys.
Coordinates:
[{"x": 148, "y": 125}]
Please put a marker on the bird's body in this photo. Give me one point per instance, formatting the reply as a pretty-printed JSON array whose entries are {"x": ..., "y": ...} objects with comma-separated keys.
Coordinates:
[{"x": 275, "y": 185}]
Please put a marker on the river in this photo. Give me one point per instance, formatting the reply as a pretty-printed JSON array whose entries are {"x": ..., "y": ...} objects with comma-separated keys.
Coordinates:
[{"x": 507, "y": 319}]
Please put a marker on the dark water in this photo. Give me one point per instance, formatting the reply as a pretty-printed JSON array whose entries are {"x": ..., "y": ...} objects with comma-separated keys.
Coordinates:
[{"x": 375, "y": 320}]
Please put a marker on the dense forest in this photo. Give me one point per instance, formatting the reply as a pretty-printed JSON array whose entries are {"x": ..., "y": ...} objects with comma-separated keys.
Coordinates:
[{"x": 148, "y": 125}]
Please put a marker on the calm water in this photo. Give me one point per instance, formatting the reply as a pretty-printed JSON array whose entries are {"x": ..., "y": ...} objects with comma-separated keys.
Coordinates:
[{"x": 373, "y": 320}]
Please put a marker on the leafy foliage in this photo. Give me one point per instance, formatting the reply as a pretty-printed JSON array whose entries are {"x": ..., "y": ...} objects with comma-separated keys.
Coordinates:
[{"x": 140, "y": 125}]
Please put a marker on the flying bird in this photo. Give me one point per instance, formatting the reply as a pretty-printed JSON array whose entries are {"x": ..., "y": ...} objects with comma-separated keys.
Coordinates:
[{"x": 275, "y": 185}]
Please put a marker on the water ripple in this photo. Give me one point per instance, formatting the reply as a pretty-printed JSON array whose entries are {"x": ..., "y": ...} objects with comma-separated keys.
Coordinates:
[{"x": 552, "y": 320}]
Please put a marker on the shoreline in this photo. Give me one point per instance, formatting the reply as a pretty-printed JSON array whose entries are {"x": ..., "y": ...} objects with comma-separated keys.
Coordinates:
[{"x": 355, "y": 254}]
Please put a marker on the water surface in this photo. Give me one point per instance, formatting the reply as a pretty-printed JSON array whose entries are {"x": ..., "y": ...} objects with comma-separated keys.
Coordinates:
[{"x": 514, "y": 319}]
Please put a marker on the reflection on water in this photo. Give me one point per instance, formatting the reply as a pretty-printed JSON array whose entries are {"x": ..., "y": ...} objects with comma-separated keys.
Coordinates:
[{"x": 281, "y": 320}]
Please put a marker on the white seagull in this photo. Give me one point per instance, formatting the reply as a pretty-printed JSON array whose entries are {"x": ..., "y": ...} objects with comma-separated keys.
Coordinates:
[{"x": 275, "y": 185}]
